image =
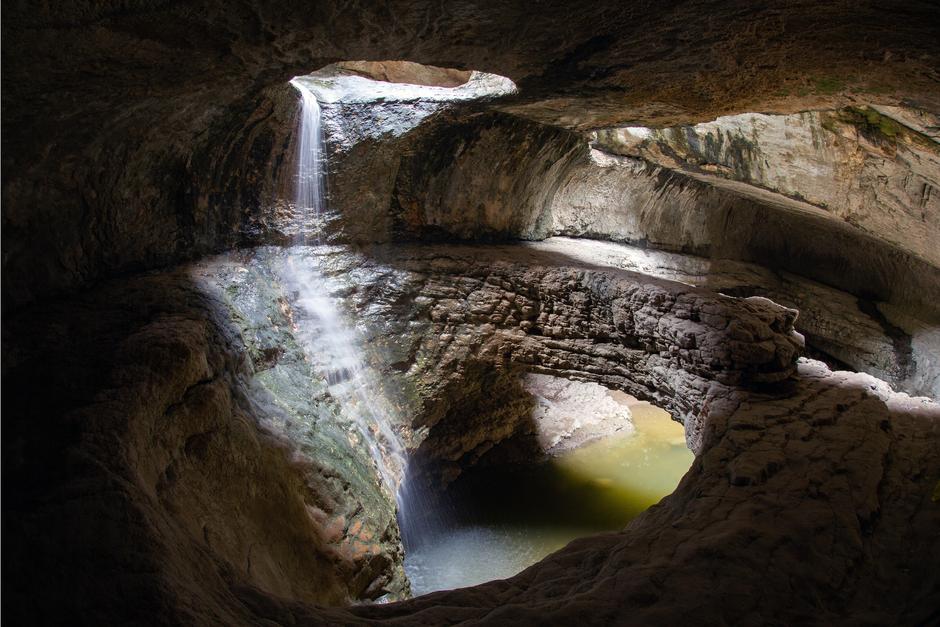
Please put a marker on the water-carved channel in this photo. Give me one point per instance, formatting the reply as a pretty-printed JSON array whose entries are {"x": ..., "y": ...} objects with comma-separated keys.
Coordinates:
[{"x": 591, "y": 458}]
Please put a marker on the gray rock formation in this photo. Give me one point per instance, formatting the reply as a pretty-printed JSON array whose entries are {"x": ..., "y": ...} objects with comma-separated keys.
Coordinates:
[
  {"x": 210, "y": 384},
  {"x": 858, "y": 165},
  {"x": 876, "y": 338},
  {"x": 818, "y": 483},
  {"x": 422, "y": 170},
  {"x": 154, "y": 470}
]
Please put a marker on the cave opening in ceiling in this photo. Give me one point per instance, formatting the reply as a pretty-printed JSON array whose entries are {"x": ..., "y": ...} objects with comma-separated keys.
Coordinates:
[{"x": 393, "y": 86}]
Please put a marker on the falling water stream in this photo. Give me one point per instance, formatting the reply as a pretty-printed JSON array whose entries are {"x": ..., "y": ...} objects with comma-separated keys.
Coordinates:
[
  {"x": 513, "y": 520},
  {"x": 326, "y": 334}
]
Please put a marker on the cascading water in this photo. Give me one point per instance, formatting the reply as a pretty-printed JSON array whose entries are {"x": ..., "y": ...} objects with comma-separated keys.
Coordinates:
[
  {"x": 310, "y": 161},
  {"x": 330, "y": 342}
]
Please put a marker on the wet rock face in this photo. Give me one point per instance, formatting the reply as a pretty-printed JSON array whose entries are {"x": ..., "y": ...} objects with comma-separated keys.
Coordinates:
[
  {"x": 452, "y": 326},
  {"x": 147, "y": 466},
  {"x": 220, "y": 466},
  {"x": 172, "y": 456},
  {"x": 402, "y": 169},
  {"x": 429, "y": 171},
  {"x": 805, "y": 493},
  {"x": 876, "y": 338}
]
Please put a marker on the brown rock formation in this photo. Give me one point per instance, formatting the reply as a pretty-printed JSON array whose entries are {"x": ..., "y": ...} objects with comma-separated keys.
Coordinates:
[
  {"x": 515, "y": 309},
  {"x": 172, "y": 456},
  {"x": 791, "y": 513},
  {"x": 406, "y": 72},
  {"x": 109, "y": 113}
]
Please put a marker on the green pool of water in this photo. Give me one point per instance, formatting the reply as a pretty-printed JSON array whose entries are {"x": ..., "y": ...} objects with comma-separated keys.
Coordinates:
[{"x": 508, "y": 520}]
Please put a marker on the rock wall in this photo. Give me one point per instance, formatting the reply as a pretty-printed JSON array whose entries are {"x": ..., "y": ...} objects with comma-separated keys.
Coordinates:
[
  {"x": 808, "y": 508},
  {"x": 633, "y": 201},
  {"x": 213, "y": 448},
  {"x": 196, "y": 445},
  {"x": 402, "y": 170},
  {"x": 156, "y": 466},
  {"x": 840, "y": 328},
  {"x": 437, "y": 315},
  {"x": 109, "y": 110},
  {"x": 858, "y": 165},
  {"x": 406, "y": 72},
  {"x": 156, "y": 445}
]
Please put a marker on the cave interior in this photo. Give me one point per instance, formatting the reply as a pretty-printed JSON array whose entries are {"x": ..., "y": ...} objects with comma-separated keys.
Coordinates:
[{"x": 317, "y": 294}]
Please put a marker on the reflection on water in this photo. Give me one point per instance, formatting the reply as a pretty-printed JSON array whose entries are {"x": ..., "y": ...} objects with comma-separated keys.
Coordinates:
[{"x": 511, "y": 519}]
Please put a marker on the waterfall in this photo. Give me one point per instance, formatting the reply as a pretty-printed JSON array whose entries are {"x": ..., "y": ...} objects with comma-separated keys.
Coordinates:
[
  {"x": 311, "y": 159},
  {"x": 329, "y": 341}
]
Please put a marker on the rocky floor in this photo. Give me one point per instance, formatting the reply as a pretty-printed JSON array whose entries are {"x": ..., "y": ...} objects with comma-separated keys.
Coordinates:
[
  {"x": 814, "y": 507},
  {"x": 873, "y": 337},
  {"x": 167, "y": 449}
]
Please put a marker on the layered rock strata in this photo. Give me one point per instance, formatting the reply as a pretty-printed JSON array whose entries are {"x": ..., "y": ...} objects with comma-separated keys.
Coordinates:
[
  {"x": 876, "y": 169},
  {"x": 392, "y": 177},
  {"x": 217, "y": 457},
  {"x": 840, "y": 328},
  {"x": 206, "y": 446}
]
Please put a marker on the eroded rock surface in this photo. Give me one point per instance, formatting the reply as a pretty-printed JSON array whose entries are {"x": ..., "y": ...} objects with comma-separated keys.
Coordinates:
[
  {"x": 206, "y": 435},
  {"x": 432, "y": 170},
  {"x": 872, "y": 337},
  {"x": 571, "y": 413},
  {"x": 859, "y": 165},
  {"x": 157, "y": 463},
  {"x": 431, "y": 309},
  {"x": 172, "y": 455},
  {"x": 111, "y": 112},
  {"x": 802, "y": 508}
]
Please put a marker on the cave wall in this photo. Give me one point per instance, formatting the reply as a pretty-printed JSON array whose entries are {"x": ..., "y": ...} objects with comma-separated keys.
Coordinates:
[
  {"x": 191, "y": 475},
  {"x": 633, "y": 201},
  {"x": 142, "y": 479},
  {"x": 808, "y": 508},
  {"x": 402, "y": 170},
  {"x": 840, "y": 328},
  {"x": 146, "y": 448},
  {"x": 198, "y": 448},
  {"x": 859, "y": 165},
  {"x": 108, "y": 111},
  {"x": 430, "y": 309}
]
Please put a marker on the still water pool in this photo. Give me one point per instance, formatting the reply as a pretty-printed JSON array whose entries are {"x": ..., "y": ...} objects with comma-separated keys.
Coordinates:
[{"x": 507, "y": 521}]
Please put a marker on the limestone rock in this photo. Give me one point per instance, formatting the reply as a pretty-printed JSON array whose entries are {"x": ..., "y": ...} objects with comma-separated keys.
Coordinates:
[
  {"x": 856, "y": 164},
  {"x": 199, "y": 481}
]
